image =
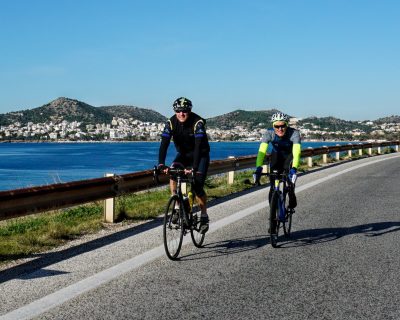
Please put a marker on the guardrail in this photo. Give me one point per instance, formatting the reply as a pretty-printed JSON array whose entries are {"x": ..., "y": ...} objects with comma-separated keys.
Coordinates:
[{"x": 20, "y": 202}]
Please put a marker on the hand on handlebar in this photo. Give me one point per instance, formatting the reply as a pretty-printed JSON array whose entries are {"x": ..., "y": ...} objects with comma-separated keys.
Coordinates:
[
  {"x": 257, "y": 175},
  {"x": 293, "y": 175},
  {"x": 162, "y": 168}
]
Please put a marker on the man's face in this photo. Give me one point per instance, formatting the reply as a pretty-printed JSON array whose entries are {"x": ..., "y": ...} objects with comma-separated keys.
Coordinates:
[
  {"x": 182, "y": 116},
  {"x": 280, "y": 128}
]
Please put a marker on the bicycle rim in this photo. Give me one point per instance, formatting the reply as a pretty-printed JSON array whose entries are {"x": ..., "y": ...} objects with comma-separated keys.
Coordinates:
[
  {"x": 172, "y": 232},
  {"x": 287, "y": 225},
  {"x": 197, "y": 237},
  {"x": 273, "y": 221}
]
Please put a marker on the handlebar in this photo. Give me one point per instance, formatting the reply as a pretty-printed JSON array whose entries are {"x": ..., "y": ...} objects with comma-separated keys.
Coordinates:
[
  {"x": 174, "y": 173},
  {"x": 273, "y": 174}
]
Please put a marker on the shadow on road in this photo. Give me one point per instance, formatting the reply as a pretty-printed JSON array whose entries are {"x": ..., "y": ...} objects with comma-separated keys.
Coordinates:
[
  {"x": 297, "y": 239},
  {"x": 317, "y": 236},
  {"x": 223, "y": 248}
]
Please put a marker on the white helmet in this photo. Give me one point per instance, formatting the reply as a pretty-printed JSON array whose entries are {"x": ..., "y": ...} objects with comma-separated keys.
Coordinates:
[{"x": 279, "y": 116}]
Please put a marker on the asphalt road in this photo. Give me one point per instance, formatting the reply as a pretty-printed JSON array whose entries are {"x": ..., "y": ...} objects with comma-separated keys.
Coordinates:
[{"x": 342, "y": 261}]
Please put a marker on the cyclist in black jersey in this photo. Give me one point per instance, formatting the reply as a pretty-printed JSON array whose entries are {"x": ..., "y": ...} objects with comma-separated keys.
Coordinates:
[
  {"x": 285, "y": 154},
  {"x": 187, "y": 130}
]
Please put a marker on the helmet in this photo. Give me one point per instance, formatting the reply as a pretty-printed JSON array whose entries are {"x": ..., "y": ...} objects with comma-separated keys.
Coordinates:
[
  {"x": 279, "y": 116},
  {"x": 182, "y": 104}
]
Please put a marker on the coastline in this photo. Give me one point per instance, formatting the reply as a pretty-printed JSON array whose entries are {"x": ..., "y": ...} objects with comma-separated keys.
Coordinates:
[{"x": 158, "y": 141}]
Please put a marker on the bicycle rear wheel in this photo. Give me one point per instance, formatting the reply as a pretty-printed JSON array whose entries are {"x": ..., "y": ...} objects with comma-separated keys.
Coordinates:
[
  {"x": 173, "y": 229},
  {"x": 273, "y": 219},
  {"x": 197, "y": 237}
]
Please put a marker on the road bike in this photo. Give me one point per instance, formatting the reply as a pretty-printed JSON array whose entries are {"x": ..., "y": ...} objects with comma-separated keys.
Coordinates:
[
  {"x": 179, "y": 217},
  {"x": 280, "y": 213}
]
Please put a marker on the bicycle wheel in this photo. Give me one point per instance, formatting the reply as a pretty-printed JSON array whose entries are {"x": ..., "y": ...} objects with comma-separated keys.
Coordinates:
[
  {"x": 287, "y": 225},
  {"x": 197, "y": 237},
  {"x": 172, "y": 229},
  {"x": 273, "y": 220}
]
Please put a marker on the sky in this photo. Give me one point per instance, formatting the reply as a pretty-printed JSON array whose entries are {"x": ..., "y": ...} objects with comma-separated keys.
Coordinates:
[{"x": 307, "y": 58}]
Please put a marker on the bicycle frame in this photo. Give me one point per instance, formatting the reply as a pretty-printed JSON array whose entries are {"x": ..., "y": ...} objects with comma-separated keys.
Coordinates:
[
  {"x": 178, "y": 221},
  {"x": 281, "y": 179},
  {"x": 279, "y": 215},
  {"x": 180, "y": 178}
]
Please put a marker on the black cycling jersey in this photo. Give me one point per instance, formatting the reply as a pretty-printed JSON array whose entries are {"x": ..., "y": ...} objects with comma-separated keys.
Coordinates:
[{"x": 190, "y": 138}]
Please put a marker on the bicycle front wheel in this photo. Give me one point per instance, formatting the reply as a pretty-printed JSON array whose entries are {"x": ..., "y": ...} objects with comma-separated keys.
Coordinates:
[
  {"x": 172, "y": 229},
  {"x": 287, "y": 225},
  {"x": 197, "y": 237},
  {"x": 273, "y": 228}
]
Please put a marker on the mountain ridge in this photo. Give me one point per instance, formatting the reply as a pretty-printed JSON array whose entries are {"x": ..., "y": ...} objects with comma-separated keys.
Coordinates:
[
  {"x": 70, "y": 110},
  {"x": 74, "y": 110}
]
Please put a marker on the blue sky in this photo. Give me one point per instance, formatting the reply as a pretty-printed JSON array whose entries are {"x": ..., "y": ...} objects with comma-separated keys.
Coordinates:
[{"x": 305, "y": 57}]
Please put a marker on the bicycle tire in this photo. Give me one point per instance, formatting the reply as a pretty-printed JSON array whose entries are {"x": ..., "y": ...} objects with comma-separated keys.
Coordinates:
[
  {"x": 273, "y": 220},
  {"x": 197, "y": 237},
  {"x": 172, "y": 232},
  {"x": 287, "y": 225}
]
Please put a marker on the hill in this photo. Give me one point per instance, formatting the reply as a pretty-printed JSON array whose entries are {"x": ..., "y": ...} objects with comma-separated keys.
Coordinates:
[
  {"x": 144, "y": 115},
  {"x": 247, "y": 119},
  {"x": 74, "y": 110},
  {"x": 333, "y": 124},
  {"x": 57, "y": 111},
  {"x": 391, "y": 119}
]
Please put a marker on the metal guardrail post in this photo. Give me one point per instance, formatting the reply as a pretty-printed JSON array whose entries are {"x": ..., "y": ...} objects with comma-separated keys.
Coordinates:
[
  {"x": 231, "y": 174},
  {"x": 309, "y": 160},
  {"x": 338, "y": 153},
  {"x": 109, "y": 206},
  {"x": 325, "y": 157}
]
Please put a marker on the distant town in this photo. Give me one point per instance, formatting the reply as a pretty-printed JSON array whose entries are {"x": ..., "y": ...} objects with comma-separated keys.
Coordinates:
[
  {"x": 121, "y": 129},
  {"x": 66, "y": 119}
]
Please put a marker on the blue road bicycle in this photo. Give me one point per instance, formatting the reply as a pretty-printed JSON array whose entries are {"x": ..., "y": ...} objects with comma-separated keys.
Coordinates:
[{"x": 280, "y": 214}]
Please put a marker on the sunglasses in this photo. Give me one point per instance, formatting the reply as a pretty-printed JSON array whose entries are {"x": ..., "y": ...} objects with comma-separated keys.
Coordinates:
[
  {"x": 283, "y": 126},
  {"x": 182, "y": 111}
]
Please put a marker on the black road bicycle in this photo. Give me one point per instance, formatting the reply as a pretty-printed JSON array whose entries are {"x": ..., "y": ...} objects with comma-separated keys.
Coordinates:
[
  {"x": 179, "y": 218},
  {"x": 280, "y": 214}
]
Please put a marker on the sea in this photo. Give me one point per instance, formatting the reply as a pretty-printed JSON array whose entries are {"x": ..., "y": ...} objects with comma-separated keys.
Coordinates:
[{"x": 25, "y": 165}]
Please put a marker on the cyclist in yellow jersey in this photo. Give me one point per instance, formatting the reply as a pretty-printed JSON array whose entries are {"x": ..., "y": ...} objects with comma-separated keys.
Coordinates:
[{"x": 285, "y": 154}]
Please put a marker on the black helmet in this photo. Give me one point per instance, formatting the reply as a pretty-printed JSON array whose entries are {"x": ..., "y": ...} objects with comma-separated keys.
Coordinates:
[{"x": 182, "y": 104}]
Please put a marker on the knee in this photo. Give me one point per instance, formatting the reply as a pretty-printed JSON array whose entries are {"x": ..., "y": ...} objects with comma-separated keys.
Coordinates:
[{"x": 199, "y": 191}]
